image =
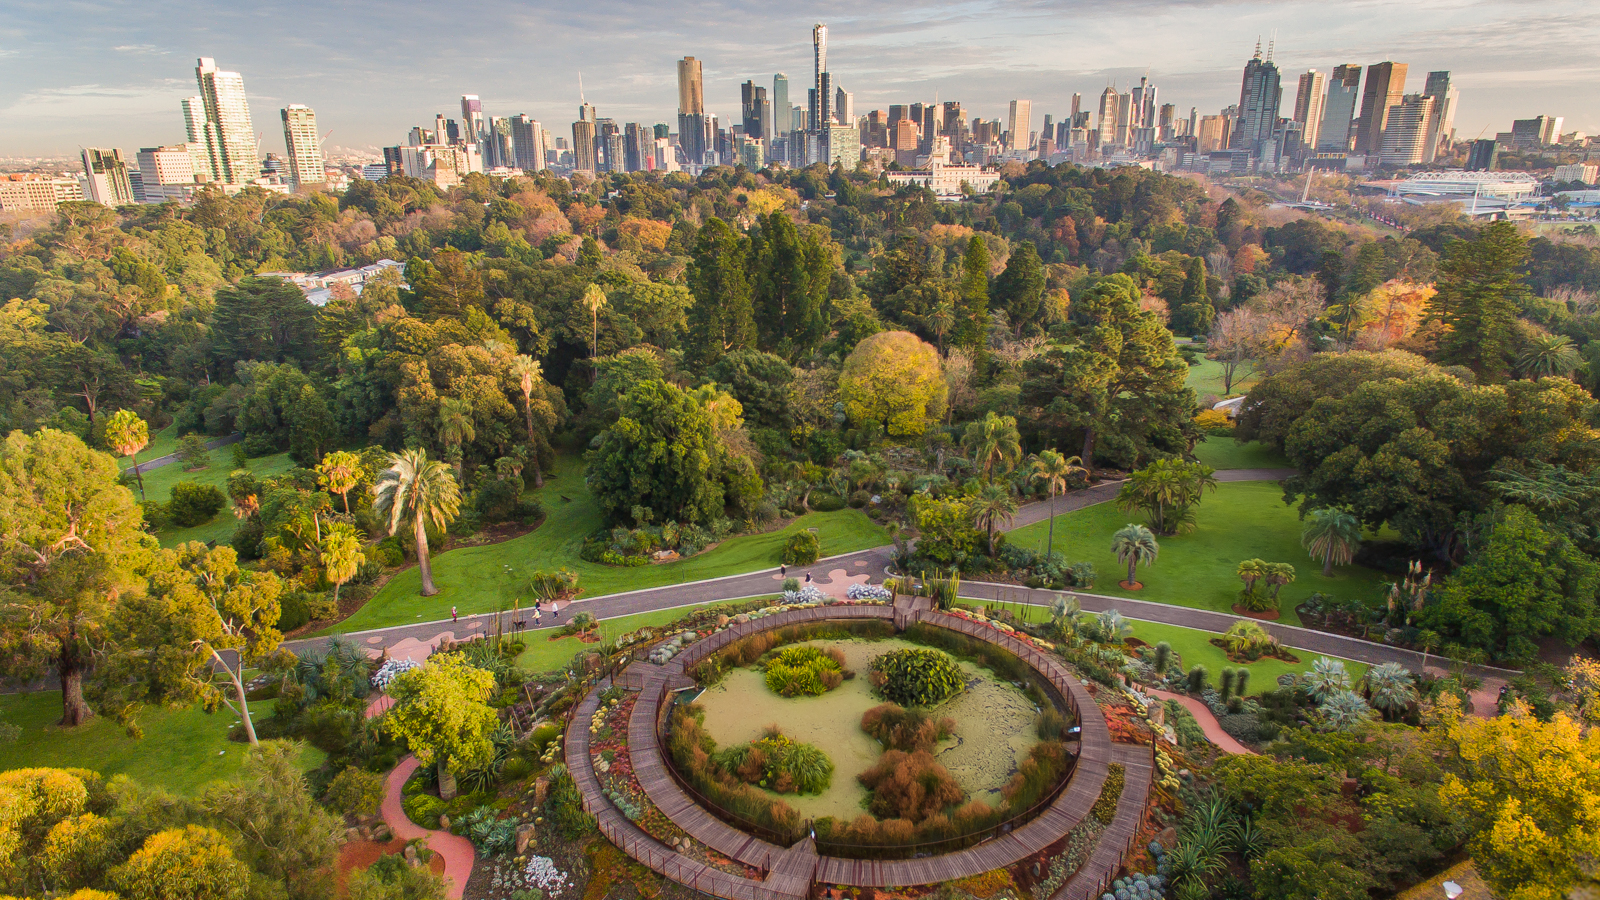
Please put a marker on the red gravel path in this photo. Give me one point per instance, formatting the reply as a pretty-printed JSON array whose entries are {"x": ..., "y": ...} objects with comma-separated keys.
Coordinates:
[
  {"x": 1208, "y": 722},
  {"x": 456, "y": 851}
]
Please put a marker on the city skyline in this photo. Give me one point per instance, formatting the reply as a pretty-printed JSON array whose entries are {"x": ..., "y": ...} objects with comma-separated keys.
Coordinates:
[{"x": 882, "y": 61}]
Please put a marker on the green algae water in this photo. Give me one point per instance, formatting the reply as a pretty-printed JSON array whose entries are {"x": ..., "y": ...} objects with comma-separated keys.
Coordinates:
[{"x": 994, "y": 727}]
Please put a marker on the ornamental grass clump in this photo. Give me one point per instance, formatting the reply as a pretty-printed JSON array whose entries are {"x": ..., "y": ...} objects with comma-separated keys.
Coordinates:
[
  {"x": 778, "y": 763},
  {"x": 917, "y": 677},
  {"x": 805, "y": 671},
  {"x": 908, "y": 730},
  {"x": 910, "y": 786}
]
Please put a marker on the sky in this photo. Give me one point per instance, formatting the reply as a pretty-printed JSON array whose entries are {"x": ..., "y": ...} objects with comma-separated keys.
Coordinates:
[{"x": 76, "y": 73}]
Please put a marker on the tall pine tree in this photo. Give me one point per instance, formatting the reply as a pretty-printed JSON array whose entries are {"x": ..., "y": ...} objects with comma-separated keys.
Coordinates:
[
  {"x": 974, "y": 293},
  {"x": 722, "y": 318},
  {"x": 1020, "y": 288},
  {"x": 789, "y": 274},
  {"x": 1480, "y": 290},
  {"x": 1195, "y": 314}
]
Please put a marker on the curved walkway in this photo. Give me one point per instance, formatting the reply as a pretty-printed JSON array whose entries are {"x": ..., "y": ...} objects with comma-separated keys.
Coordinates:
[
  {"x": 790, "y": 872},
  {"x": 456, "y": 850},
  {"x": 1208, "y": 722}
]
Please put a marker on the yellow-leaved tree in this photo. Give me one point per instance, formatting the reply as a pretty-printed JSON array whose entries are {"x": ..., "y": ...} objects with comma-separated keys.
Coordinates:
[{"x": 893, "y": 379}]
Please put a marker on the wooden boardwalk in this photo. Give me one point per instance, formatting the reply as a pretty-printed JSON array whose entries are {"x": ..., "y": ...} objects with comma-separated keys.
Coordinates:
[
  {"x": 1101, "y": 868},
  {"x": 790, "y": 872}
]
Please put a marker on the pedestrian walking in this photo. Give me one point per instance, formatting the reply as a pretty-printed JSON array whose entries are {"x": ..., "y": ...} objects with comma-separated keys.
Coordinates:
[
  {"x": 808, "y": 578},
  {"x": 783, "y": 570},
  {"x": 452, "y": 614},
  {"x": 537, "y": 610}
]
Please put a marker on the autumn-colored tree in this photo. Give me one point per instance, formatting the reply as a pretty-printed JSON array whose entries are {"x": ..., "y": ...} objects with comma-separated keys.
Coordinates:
[
  {"x": 341, "y": 555},
  {"x": 441, "y": 711},
  {"x": 188, "y": 863},
  {"x": 417, "y": 491},
  {"x": 70, "y": 539},
  {"x": 339, "y": 473},
  {"x": 893, "y": 378},
  {"x": 127, "y": 434}
]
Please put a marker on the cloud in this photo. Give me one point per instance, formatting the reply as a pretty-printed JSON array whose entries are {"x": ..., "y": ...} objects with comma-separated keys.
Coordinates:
[{"x": 144, "y": 49}]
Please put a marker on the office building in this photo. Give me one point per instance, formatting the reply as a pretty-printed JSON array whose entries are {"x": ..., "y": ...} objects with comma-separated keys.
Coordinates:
[
  {"x": 1142, "y": 105},
  {"x": 1213, "y": 134},
  {"x": 499, "y": 144},
  {"x": 637, "y": 147},
  {"x": 584, "y": 155},
  {"x": 473, "y": 130},
  {"x": 1539, "y": 131},
  {"x": 1110, "y": 113},
  {"x": 691, "y": 89},
  {"x": 528, "y": 142},
  {"x": 1018, "y": 126},
  {"x": 105, "y": 177},
  {"x": 1260, "y": 96},
  {"x": 1386, "y": 85},
  {"x": 780, "y": 105},
  {"x": 230, "y": 136},
  {"x": 38, "y": 193},
  {"x": 1483, "y": 156},
  {"x": 844, "y": 146},
  {"x": 616, "y": 158},
  {"x": 305, "y": 148},
  {"x": 1405, "y": 136},
  {"x": 1442, "y": 124},
  {"x": 1309, "y": 103},
  {"x": 1584, "y": 173},
  {"x": 844, "y": 106},
  {"x": 1339, "y": 109},
  {"x": 753, "y": 105}
]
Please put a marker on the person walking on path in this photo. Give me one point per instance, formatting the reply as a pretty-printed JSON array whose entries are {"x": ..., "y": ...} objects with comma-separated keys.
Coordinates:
[
  {"x": 808, "y": 578},
  {"x": 452, "y": 615},
  {"x": 783, "y": 570},
  {"x": 537, "y": 610}
]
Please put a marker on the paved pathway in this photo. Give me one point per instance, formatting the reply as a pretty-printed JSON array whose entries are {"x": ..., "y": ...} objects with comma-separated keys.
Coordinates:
[
  {"x": 456, "y": 850},
  {"x": 1208, "y": 722},
  {"x": 171, "y": 458}
]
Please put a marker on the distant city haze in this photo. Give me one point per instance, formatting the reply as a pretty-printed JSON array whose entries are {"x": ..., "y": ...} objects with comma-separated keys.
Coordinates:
[{"x": 71, "y": 77}]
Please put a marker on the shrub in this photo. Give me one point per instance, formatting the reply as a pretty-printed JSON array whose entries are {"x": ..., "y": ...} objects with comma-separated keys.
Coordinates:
[
  {"x": 156, "y": 516},
  {"x": 293, "y": 612},
  {"x": 557, "y": 585},
  {"x": 917, "y": 677},
  {"x": 1050, "y": 725},
  {"x": 802, "y": 548},
  {"x": 859, "y": 499},
  {"x": 791, "y": 585},
  {"x": 910, "y": 786},
  {"x": 1163, "y": 657},
  {"x": 192, "y": 452},
  {"x": 825, "y": 502},
  {"x": 907, "y": 730},
  {"x": 563, "y": 806},
  {"x": 496, "y": 500},
  {"x": 1105, "y": 808},
  {"x": 355, "y": 792},
  {"x": 1197, "y": 679},
  {"x": 194, "y": 504},
  {"x": 805, "y": 670},
  {"x": 423, "y": 809},
  {"x": 779, "y": 764}
]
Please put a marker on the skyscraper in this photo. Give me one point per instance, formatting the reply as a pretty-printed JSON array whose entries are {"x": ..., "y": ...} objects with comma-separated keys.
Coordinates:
[
  {"x": 1483, "y": 156},
  {"x": 107, "y": 175},
  {"x": 584, "y": 154},
  {"x": 1260, "y": 96},
  {"x": 844, "y": 106},
  {"x": 1405, "y": 136},
  {"x": 305, "y": 148},
  {"x": 753, "y": 105},
  {"x": 1339, "y": 109},
  {"x": 199, "y": 141},
  {"x": 816, "y": 114},
  {"x": 1442, "y": 125},
  {"x": 527, "y": 137},
  {"x": 1110, "y": 112},
  {"x": 691, "y": 90},
  {"x": 472, "y": 120},
  {"x": 1018, "y": 125},
  {"x": 1386, "y": 84},
  {"x": 230, "y": 136},
  {"x": 780, "y": 105},
  {"x": 1309, "y": 103}
]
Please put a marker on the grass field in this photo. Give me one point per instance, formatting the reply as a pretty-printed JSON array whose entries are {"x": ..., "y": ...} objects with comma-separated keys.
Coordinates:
[
  {"x": 181, "y": 750},
  {"x": 1228, "y": 453},
  {"x": 1242, "y": 520},
  {"x": 158, "y": 486},
  {"x": 544, "y": 654},
  {"x": 475, "y": 579},
  {"x": 1195, "y": 647},
  {"x": 1205, "y": 379}
]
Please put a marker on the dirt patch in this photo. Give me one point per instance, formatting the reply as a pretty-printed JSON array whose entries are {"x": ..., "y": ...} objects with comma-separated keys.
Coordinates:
[
  {"x": 1131, "y": 585},
  {"x": 1268, "y": 615}
]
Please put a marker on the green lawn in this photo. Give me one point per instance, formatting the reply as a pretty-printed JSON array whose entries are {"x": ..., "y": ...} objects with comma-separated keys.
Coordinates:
[
  {"x": 1205, "y": 379},
  {"x": 1229, "y": 453},
  {"x": 475, "y": 579},
  {"x": 161, "y": 443},
  {"x": 1196, "y": 647},
  {"x": 544, "y": 654},
  {"x": 158, "y": 486},
  {"x": 1242, "y": 520},
  {"x": 181, "y": 749}
]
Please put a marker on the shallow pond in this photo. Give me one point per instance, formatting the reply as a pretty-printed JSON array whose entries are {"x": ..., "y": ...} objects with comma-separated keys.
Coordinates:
[{"x": 994, "y": 727}]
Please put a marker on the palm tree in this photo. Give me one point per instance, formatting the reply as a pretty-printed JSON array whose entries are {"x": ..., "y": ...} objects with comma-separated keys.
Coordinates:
[
  {"x": 1250, "y": 571},
  {"x": 128, "y": 434},
  {"x": 941, "y": 319},
  {"x": 993, "y": 439},
  {"x": 1331, "y": 535},
  {"x": 341, "y": 556},
  {"x": 1054, "y": 471},
  {"x": 1428, "y": 641},
  {"x": 1389, "y": 688},
  {"x": 1344, "y": 711},
  {"x": 1165, "y": 490},
  {"x": 338, "y": 472},
  {"x": 1549, "y": 355},
  {"x": 421, "y": 490},
  {"x": 594, "y": 300},
  {"x": 455, "y": 427},
  {"x": 1326, "y": 678},
  {"x": 1064, "y": 613},
  {"x": 528, "y": 372},
  {"x": 1277, "y": 575},
  {"x": 993, "y": 505},
  {"x": 1136, "y": 546},
  {"x": 1112, "y": 627}
]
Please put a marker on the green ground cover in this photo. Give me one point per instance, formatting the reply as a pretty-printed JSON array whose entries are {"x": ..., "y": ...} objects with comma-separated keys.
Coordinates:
[
  {"x": 162, "y": 443},
  {"x": 544, "y": 654},
  {"x": 476, "y": 580},
  {"x": 1230, "y": 453},
  {"x": 182, "y": 749},
  {"x": 1195, "y": 647},
  {"x": 158, "y": 486},
  {"x": 1241, "y": 520},
  {"x": 1205, "y": 379}
]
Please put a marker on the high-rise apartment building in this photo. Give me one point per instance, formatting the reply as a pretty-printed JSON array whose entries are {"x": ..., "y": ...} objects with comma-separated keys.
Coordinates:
[
  {"x": 753, "y": 107},
  {"x": 1405, "y": 136},
  {"x": 691, "y": 89},
  {"x": 1442, "y": 125},
  {"x": 1483, "y": 156},
  {"x": 844, "y": 107},
  {"x": 1213, "y": 133},
  {"x": 1309, "y": 103},
  {"x": 1260, "y": 96},
  {"x": 1019, "y": 125},
  {"x": 527, "y": 141},
  {"x": 780, "y": 106},
  {"x": 473, "y": 130},
  {"x": 816, "y": 109},
  {"x": 230, "y": 136},
  {"x": 167, "y": 173},
  {"x": 1339, "y": 109},
  {"x": 305, "y": 148},
  {"x": 584, "y": 154},
  {"x": 106, "y": 180},
  {"x": 1386, "y": 85}
]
